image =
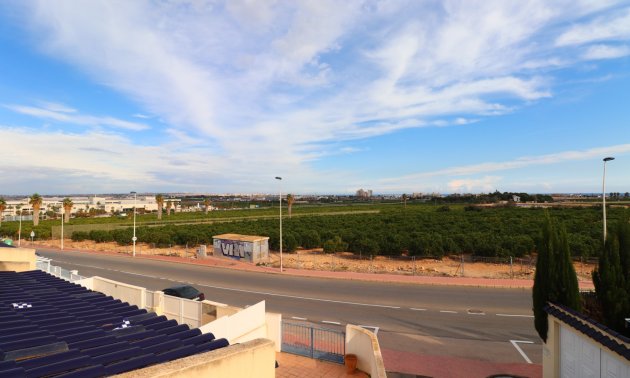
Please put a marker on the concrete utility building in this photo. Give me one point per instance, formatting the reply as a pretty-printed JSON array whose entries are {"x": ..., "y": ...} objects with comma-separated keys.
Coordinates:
[{"x": 247, "y": 248}]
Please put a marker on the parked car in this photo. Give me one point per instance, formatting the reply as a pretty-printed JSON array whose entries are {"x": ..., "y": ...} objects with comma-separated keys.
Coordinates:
[{"x": 185, "y": 291}]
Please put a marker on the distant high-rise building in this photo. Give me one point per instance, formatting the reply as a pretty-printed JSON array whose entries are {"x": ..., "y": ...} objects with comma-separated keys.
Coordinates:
[{"x": 364, "y": 193}]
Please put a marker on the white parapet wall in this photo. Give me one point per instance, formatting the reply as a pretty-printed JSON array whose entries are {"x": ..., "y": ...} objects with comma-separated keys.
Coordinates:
[
  {"x": 364, "y": 344},
  {"x": 274, "y": 329},
  {"x": 17, "y": 259},
  {"x": 248, "y": 324},
  {"x": 134, "y": 295}
]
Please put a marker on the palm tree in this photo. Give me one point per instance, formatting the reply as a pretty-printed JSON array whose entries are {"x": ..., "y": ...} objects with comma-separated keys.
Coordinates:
[
  {"x": 3, "y": 206},
  {"x": 67, "y": 208},
  {"x": 290, "y": 200},
  {"x": 404, "y": 198},
  {"x": 169, "y": 204},
  {"x": 207, "y": 203},
  {"x": 36, "y": 201},
  {"x": 160, "y": 203}
]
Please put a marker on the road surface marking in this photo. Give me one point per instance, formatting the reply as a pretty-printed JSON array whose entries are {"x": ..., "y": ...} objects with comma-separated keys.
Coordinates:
[
  {"x": 329, "y": 322},
  {"x": 475, "y": 312},
  {"x": 246, "y": 291},
  {"x": 448, "y": 311},
  {"x": 517, "y": 316},
  {"x": 417, "y": 309},
  {"x": 518, "y": 348},
  {"x": 298, "y": 318},
  {"x": 371, "y": 328}
]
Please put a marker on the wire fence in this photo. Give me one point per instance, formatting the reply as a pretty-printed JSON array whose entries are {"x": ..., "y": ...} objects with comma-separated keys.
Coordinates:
[{"x": 452, "y": 265}]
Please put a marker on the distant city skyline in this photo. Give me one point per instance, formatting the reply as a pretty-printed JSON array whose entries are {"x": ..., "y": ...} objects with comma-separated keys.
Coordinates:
[{"x": 394, "y": 96}]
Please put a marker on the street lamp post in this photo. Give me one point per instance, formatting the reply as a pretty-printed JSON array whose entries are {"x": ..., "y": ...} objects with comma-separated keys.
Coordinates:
[
  {"x": 20, "y": 229},
  {"x": 607, "y": 159},
  {"x": 62, "y": 214},
  {"x": 134, "y": 224},
  {"x": 280, "y": 208}
]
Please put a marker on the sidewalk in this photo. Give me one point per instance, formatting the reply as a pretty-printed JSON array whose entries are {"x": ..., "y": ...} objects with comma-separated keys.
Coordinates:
[
  {"x": 293, "y": 366},
  {"x": 376, "y": 277},
  {"x": 454, "y": 367}
]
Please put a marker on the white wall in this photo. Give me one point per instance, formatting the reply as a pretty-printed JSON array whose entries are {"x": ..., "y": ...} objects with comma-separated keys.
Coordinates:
[
  {"x": 247, "y": 324},
  {"x": 134, "y": 295},
  {"x": 583, "y": 357},
  {"x": 274, "y": 329},
  {"x": 365, "y": 346}
]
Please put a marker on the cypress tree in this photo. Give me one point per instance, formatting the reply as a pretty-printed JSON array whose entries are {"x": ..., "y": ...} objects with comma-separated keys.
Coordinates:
[
  {"x": 611, "y": 278},
  {"x": 555, "y": 279}
]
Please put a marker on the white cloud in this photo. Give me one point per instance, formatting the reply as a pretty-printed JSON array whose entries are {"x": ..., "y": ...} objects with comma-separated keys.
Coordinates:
[
  {"x": 290, "y": 82},
  {"x": 484, "y": 184},
  {"x": 606, "y": 52},
  {"x": 68, "y": 115},
  {"x": 522, "y": 162},
  {"x": 612, "y": 26}
]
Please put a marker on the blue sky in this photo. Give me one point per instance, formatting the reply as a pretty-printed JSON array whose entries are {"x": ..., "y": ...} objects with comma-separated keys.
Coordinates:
[{"x": 393, "y": 96}]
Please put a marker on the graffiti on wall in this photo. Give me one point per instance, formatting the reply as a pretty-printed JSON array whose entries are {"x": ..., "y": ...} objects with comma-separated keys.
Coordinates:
[{"x": 231, "y": 248}]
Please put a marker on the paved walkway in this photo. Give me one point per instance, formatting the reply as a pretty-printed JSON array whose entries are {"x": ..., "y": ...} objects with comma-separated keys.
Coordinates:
[
  {"x": 291, "y": 366},
  {"x": 453, "y": 367}
]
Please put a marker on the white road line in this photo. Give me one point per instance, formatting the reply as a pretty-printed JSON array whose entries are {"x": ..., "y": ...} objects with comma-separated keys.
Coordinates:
[
  {"x": 518, "y": 348},
  {"x": 448, "y": 311},
  {"x": 372, "y": 328},
  {"x": 254, "y": 292},
  {"x": 417, "y": 309},
  {"x": 298, "y": 318},
  {"x": 517, "y": 316},
  {"x": 329, "y": 322},
  {"x": 476, "y": 313}
]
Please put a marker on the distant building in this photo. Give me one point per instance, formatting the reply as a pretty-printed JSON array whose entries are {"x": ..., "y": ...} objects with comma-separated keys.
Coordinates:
[
  {"x": 364, "y": 193},
  {"x": 107, "y": 204}
]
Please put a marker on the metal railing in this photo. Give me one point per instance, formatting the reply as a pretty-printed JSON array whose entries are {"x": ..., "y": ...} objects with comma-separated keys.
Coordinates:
[
  {"x": 314, "y": 342},
  {"x": 44, "y": 264}
]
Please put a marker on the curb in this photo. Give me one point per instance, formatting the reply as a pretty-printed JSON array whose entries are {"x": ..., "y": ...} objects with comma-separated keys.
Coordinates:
[{"x": 377, "y": 277}]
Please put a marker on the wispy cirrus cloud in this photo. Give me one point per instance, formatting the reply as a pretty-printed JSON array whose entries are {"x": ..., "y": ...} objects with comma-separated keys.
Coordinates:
[
  {"x": 522, "y": 162},
  {"x": 606, "y": 52},
  {"x": 295, "y": 82},
  {"x": 61, "y": 113}
]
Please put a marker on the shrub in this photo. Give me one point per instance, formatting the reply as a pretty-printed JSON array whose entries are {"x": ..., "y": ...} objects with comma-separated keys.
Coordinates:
[
  {"x": 101, "y": 236},
  {"x": 335, "y": 245},
  {"x": 80, "y": 236},
  {"x": 311, "y": 239}
]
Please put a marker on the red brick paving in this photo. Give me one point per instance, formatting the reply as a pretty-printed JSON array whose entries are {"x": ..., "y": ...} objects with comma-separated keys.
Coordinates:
[{"x": 453, "y": 367}]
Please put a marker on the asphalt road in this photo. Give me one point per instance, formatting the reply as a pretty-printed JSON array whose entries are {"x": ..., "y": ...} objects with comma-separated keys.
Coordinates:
[{"x": 457, "y": 321}]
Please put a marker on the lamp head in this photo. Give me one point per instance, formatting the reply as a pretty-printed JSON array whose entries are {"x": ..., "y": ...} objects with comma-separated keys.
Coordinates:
[
  {"x": 609, "y": 158},
  {"x": 278, "y": 178}
]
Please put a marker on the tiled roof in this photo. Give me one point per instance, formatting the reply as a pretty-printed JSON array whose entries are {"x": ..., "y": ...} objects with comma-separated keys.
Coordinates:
[
  {"x": 51, "y": 327},
  {"x": 598, "y": 332}
]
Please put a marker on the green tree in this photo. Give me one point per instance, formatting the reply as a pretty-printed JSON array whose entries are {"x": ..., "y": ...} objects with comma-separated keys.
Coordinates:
[
  {"x": 290, "y": 200},
  {"x": 555, "y": 279},
  {"x": 3, "y": 206},
  {"x": 206, "y": 203},
  {"x": 67, "y": 208},
  {"x": 36, "y": 201},
  {"x": 159, "y": 199},
  {"x": 612, "y": 278}
]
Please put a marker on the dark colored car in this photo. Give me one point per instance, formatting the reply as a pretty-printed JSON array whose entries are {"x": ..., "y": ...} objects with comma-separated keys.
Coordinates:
[{"x": 185, "y": 291}]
